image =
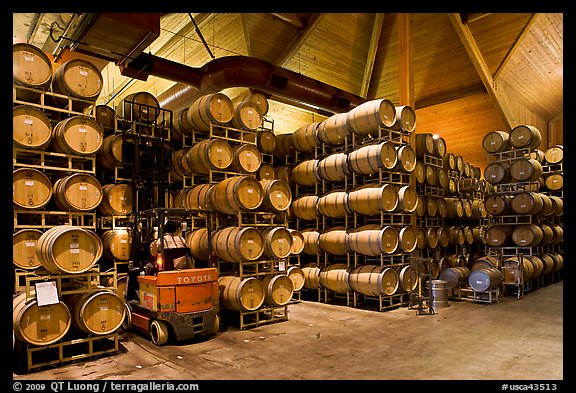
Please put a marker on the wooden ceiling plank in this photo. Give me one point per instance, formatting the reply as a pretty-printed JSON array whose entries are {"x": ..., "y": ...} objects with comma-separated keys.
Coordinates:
[
  {"x": 498, "y": 95},
  {"x": 406, "y": 59},
  {"x": 290, "y": 18},
  {"x": 298, "y": 40},
  {"x": 450, "y": 96},
  {"x": 519, "y": 39},
  {"x": 372, "y": 50},
  {"x": 246, "y": 35}
]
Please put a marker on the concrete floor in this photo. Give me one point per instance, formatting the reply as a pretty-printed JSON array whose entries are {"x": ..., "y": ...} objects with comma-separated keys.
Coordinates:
[{"x": 508, "y": 340}]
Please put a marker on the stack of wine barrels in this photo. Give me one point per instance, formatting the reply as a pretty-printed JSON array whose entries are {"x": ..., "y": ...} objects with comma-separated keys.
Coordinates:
[{"x": 525, "y": 209}]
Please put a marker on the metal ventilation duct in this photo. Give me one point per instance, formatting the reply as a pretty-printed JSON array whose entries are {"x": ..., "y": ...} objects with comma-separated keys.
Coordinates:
[{"x": 242, "y": 71}]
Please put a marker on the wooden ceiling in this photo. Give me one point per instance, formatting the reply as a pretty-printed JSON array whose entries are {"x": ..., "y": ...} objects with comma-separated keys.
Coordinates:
[{"x": 470, "y": 73}]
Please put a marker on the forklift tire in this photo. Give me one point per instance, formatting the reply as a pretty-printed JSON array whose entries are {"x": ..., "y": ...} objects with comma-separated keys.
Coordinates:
[
  {"x": 216, "y": 327},
  {"x": 159, "y": 332}
]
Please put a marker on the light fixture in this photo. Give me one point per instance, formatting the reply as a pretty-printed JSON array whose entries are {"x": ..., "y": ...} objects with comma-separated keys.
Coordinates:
[{"x": 435, "y": 136}]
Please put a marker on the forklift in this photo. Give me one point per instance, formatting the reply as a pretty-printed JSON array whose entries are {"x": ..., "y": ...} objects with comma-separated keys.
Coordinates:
[
  {"x": 163, "y": 303},
  {"x": 180, "y": 304}
]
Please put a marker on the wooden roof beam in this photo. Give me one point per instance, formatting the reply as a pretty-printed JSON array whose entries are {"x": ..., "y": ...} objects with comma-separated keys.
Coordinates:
[
  {"x": 515, "y": 45},
  {"x": 372, "y": 50},
  {"x": 406, "y": 59},
  {"x": 497, "y": 94},
  {"x": 298, "y": 40}
]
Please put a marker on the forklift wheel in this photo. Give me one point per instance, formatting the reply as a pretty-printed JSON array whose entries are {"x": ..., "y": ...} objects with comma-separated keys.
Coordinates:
[
  {"x": 159, "y": 332},
  {"x": 216, "y": 327}
]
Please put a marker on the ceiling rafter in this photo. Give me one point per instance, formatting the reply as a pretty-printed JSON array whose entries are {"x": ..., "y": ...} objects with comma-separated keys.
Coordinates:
[
  {"x": 515, "y": 45},
  {"x": 498, "y": 95},
  {"x": 246, "y": 35},
  {"x": 300, "y": 38},
  {"x": 406, "y": 59},
  {"x": 372, "y": 50}
]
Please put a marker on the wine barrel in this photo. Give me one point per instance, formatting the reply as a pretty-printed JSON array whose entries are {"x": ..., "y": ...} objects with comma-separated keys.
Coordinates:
[
  {"x": 110, "y": 154},
  {"x": 371, "y": 200},
  {"x": 421, "y": 206},
  {"x": 485, "y": 279},
  {"x": 517, "y": 270},
  {"x": 420, "y": 238},
  {"x": 456, "y": 236},
  {"x": 527, "y": 202},
  {"x": 439, "y": 147},
  {"x": 216, "y": 154},
  {"x": 305, "y": 207},
  {"x": 558, "y": 233},
  {"x": 241, "y": 294},
  {"x": 296, "y": 274},
  {"x": 246, "y": 116},
  {"x": 454, "y": 208},
  {"x": 305, "y": 138},
  {"x": 246, "y": 158},
  {"x": 311, "y": 241},
  {"x": 266, "y": 172},
  {"x": 141, "y": 107},
  {"x": 419, "y": 172},
  {"x": 372, "y": 240},
  {"x": 266, "y": 141},
  {"x": 407, "y": 279},
  {"x": 98, "y": 312},
  {"x": 334, "y": 204},
  {"x": 407, "y": 199},
  {"x": 498, "y": 235},
  {"x": 278, "y": 289},
  {"x": 335, "y": 277},
  {"x": 431, "y": 237},
  {"x": 406, "y": 160},
  {"x": 116, "y": 200},
  {"x": 238, "y": 244},
  {"x": 555, "y": 181},
  {"x": 31, "y": 67},
  {"x": 193, "y": 198},
  {"x": 39, "y": 325},
  {"x": 526, "y": 169},
  {"x": 549, "y": 262},
  {"x": 527, "y": 235},
  {"x": 311, "y": 276},
  {"x": 557, "y": 204},
  {"x": 407, "y": 239},
  {"x": 334, "y": 130},
  {"x": 259, "y": 100},
  {"x": 498, "y": 204},
  {"x": 547, "y": 234},
  {"x": 305, "y": 173},
  {"x": 558, "y": 261},
  {"x": 497, "y": 172},
  {"x": 468, "y": 235},
  {"x": 424, "y": 145},
  {"x": 432, "y": 205},
  {"x": 297, "y": 241},
  {"x": 554, "y": 155},
  {"x": 24, "y": 249},
  {"x": 367, "y": 160},
  {"x": 449, "y": 162},
  {"x": 366, "y": 118},
  {"x": 197, "y": 241},
  {"x": 68, "y": 249},
  {"x": 431, "y": 174},
  {"x": 105, "y": 117},
  {"x": 31, "y": 128},
  {"x": 334, "y": 241},
  {"x": 277, "y": 195},
  {"x": 215, "y": 108},
  {"x": 496, "y": 141},
  {"x": 539, "y": 156},
  {"x": 334, "y": 167},
  {"x": 478, "y": 209},
  {"x": 284, "y": 147},
  {"x": 525, "y": 136},
  {"x": 374, "y": 280},
  {"x": 405, "y": 119},
  {"x": 79, "y": 78},
  {"x": 78, "y": 135},
  {"x": 485, "y": 261},
  {"x": 443, "y": 237},
  {"x": 277, "y": 242},
  {"x": 443, "y": 179},
  {"x": 236, "y": 194},
  {"x": 454, "y": 276},
  {"x": 77, "y": 192},
  {"x": 117, "y": 244},
  {"x": 31, "y": 189}
]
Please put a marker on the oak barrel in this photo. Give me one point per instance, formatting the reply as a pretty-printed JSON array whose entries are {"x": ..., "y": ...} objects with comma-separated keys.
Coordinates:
[
  {"x": 77, "y": 192},
  {"x": 98, "y": 312},
  {"x": 525, "y": 136},
  {"x": 405, "y": 119},
  {"x": 305, "y": 173},
  {"x": 259, "y": 100},
  {"x": 212, "y": 154},
  {"x": 68, "y": 249},
  {"x": 334, "y": 241},
  {"x": 526, "y": 169},
  {"x": 24, "y": 248},
  {"x": 496, "y": 141},
  {"x": 78, "y": 135},
  {"x": 117, "y": 244},
  {"x": 335, "y": 277},
  {"x": 311, "y": 276},
  {"x": 116, "y": 199},
  {"x": 278, "y": 289},
  {"x": 424, "y": 145},
  {"x": 110, "y": 153},
  {"x": 554, "y": 155},
  {"x": 407, "y": 239},
  {"x": 485, "y": 279},
  {"x": 31, "y": 67},
  {"x": 141, "y": 107},
  {"x": 305, "y": 207},
  {"x": 527, "y": 235},
  {"x": 305, "y": 138},
  {"x": 266, "y": 141},
  {"x": 39, "y": 325},
  {"x": 374, "y": 280},
  {"x": 241, "y": 294},
  {"x": 334, "y": 130},
  {"x": 517, "y": 270},
  {"x": 197, "y": 242},
  {"x": 296, "y": 274},
  {"x": 407, "y": 279},
  {"x": 297, "y": 241},
  {"x": 372, "y": 240},
  {"x": 31, "y": 189},
  {"x": 236, "y": 194},
  {"x": 367, "y": 160},
  {"x": 246, "y": 158},
  {"x": 246, "y": 116},
  {"x": 277, "y": 195},
  {"x": 311, "y": 241},
  {"x": 334, "y": 204},
  {"x": 31, "y": 128},
  {"x": 79, "y": 78},
  {"x": 454, "y": 276},
  {"x": 372, "y": 199},
  {"x": 498, "y": 235},
  {"x": 238, "y": 244},
  {"x": 334, "y": 167},
  {"x": 277, "y": 242},
  {"x": 407, "y": 199},
  {"x": 365, "y": 118},
  {"x": 406, "y": 160},
  {"x": 215, "y": 108}
]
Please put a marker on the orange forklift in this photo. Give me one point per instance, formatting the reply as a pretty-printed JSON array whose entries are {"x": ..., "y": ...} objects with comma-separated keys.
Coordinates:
[{"x": 170, "y": 304}]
